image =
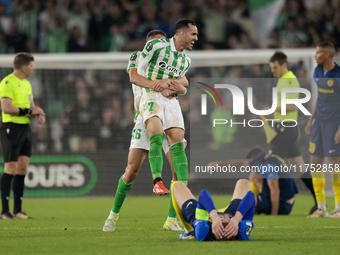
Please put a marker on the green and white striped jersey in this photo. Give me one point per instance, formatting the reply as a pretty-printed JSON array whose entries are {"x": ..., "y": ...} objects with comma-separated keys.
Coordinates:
[
  {"x": 136, "y": 90},
  {"x": 27, "y": 23},
  {"x": 160, "y": 60}
]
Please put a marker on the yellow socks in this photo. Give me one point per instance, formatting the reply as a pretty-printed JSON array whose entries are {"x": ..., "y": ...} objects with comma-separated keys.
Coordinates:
[{"x": 319, "y": 189}]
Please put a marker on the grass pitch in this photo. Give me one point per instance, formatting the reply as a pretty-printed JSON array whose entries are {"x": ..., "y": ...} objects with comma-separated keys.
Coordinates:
[{"x": 74, "y": 226}]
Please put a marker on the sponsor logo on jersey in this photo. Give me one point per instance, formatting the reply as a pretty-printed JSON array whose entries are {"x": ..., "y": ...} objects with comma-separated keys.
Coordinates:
[{"x": 169, "y": 68}]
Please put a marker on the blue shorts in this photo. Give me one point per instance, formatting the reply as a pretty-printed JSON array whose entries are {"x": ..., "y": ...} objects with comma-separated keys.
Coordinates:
[
  {"x": 322, "y": 142},
  {"x": 189, "y": 211},
  {"x": 264, "y": 206}
]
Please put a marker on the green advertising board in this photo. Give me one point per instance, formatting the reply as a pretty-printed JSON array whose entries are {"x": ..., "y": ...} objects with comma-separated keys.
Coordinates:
[{"x": 59, "y": 176}]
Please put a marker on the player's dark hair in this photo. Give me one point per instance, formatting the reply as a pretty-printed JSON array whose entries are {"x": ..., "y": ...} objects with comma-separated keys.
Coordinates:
[
  {"x": 153, "y": 33},
  {"x": 254, "y": 153},
  {"x": 327, "y": 46},
  {"x": 225, "y": 238},
  {"x": 22, "y": 59},
  {"x": 280, "y": 57},
  {"x": 183, "y": 24}
]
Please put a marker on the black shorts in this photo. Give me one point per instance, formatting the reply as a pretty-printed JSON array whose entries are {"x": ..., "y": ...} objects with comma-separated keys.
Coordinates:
[
  {"x": 284, "y": 144},
  {"x": 189, "y": 211},
  {"x": 16, "y": 141}
]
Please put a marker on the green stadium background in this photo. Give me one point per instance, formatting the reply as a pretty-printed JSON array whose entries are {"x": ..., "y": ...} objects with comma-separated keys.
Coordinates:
[{"x": 83, "y": 147}]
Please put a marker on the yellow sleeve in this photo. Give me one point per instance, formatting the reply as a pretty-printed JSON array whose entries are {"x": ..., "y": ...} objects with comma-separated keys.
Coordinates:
[
  {"x": 293, "y": 83},
  {"x": 288, "y": 83},
  {"x": 31, "y": 93},
  {"x": 6, "y": 89}
]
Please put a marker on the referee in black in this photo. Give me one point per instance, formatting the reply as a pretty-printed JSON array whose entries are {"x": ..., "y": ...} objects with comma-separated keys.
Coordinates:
[{"x": 17, "y": 107}]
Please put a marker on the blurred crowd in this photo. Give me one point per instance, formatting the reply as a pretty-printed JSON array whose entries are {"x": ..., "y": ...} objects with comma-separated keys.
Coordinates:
[
  {"x": 92, "y": 110},
  {"x": 58, "y": 26}
]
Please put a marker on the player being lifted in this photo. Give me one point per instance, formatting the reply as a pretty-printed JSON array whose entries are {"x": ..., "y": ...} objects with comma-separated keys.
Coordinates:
[
  {"x": 324, "y": 126},
  {"x": 140, "y": 143},
  {"x": 161, "y": 60}
]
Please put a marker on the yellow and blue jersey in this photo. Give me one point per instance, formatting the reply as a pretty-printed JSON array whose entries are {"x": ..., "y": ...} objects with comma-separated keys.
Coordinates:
[
  {"x": 202, "y": 223},
  {"x": 328, "y": 104},
  {"x": 271, "y": 167}
]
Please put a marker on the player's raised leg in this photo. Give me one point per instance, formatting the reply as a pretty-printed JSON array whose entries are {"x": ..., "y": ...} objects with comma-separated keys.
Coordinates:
[
  {"x": 181, "y": 194},
  {"x": 135, "y": 160},
  {"x": 180, "y": 160},
  {"x": 256, "y": 183},
  {"x": 155, "y": 130},
  {"x": 241, "y": 189}
]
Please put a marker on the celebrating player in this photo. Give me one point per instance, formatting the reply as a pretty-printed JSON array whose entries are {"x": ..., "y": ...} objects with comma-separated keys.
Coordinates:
[
  {"x": 161, "y": 60},
  {"x": 140, "y": 145},
  {"x": 195, "y": 215},
  {"x": 324, "y": 126},
  {"x": 284, "y": 143}
]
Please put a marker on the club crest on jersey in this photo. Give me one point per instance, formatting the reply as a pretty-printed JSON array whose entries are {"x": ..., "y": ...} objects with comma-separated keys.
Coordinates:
[
  {"x": 169, "y": 68},
  {"x": 149, "y": 46},
  {"x": 330, "y": 83},
  {"x": 133, "y": 57}
]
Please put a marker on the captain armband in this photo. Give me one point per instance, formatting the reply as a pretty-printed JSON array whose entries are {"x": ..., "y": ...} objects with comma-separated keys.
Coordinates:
[{"x": 201, "y": 214}]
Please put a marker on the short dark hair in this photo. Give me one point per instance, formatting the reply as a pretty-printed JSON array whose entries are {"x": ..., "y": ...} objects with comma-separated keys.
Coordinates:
[
  {"x": 254, "y": 153},
  {"x": 225, "y": 238},
  {"x": 22, "y": 59},
  {"x": 327, "y": 46},
  {"x": 153, "y": 33},
  {"x": 183, "y": 23},
  {"x": 280, "y": 57}
]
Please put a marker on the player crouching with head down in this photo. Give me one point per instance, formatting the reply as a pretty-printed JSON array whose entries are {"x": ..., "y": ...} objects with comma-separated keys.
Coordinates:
[{"x": 201, "y": 219}]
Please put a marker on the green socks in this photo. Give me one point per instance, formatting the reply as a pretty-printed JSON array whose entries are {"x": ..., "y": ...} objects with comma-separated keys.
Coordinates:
[
  {"x": 122, "y": 190},
  {"x": 155, "y": 155},
  {"x": 180, "y": 162},
  {"x": 172, "y": 212}
]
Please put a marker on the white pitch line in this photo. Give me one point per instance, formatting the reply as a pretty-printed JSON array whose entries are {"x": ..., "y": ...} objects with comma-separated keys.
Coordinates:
[
  {"x": 296, "y": 227},
  {"x": 53, "y": 228},
  {"x": 142, "y": 228}
]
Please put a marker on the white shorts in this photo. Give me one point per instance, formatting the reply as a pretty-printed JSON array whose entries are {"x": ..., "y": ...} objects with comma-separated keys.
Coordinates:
[
  {"x": 140, "y": 138},
  {"x": 169, "y": 111}
]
